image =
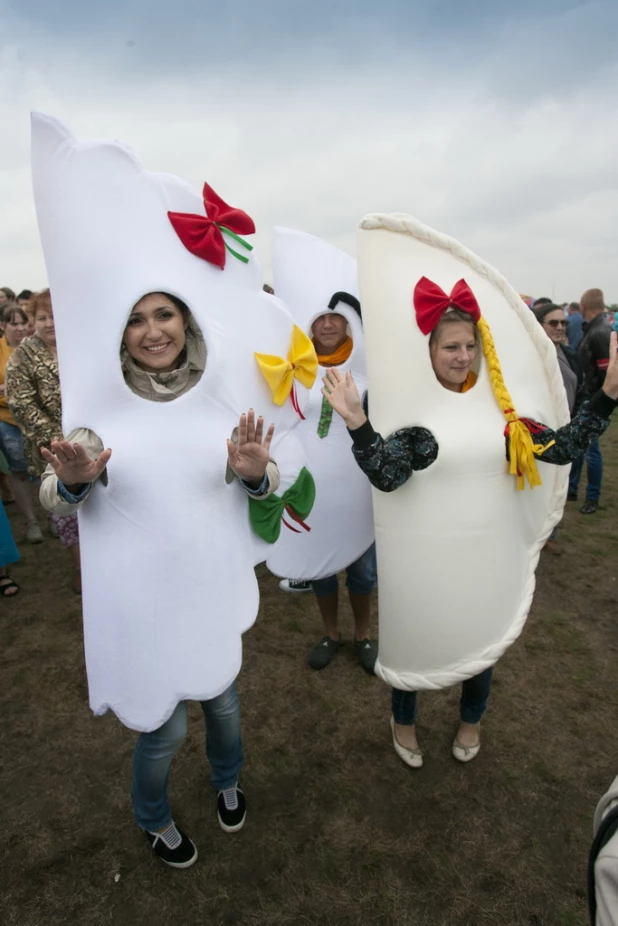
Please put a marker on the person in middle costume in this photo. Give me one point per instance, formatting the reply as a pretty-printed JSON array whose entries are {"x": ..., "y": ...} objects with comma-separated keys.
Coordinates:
[{"x": 318, "y": 283}]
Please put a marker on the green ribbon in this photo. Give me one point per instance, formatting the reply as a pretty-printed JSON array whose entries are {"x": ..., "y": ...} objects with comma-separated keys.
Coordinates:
[
  {"x": 242, "y": 241},
  {"x": 4, "y": 466},
  {"x": 326, "y": 417},
  {"x": 267, "y": 514}
]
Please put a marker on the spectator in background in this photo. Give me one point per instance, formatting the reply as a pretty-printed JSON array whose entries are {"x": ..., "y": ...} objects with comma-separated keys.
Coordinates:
[
  {"x": 33, "y": 394},
  {"x": 551, "y": 318},
  {"x": 8, "y": 553},
  {"x": 24, "y": 297},
  {"x": 15, "y": 324},
  {"x": 29, "y": 309},
  {"x": 594, "y": 358},
  {"x": 6, "y": 295},
  {"x": 574, "y": 326}
]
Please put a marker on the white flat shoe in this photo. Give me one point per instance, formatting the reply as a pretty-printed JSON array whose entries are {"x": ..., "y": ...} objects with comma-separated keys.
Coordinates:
[
  {"x": 412, "y": 757},
  {"x": 465, "y": 753}
]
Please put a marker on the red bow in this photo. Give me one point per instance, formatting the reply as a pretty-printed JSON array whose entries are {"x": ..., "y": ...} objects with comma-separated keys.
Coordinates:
[
  {"x": 203, "y": 234},
  {"x": 431, "y": 303}
]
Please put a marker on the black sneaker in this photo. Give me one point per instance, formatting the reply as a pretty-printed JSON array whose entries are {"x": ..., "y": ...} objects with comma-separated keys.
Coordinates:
[
  {"x": 173, "y": 847},
  {"x": 589, "y": 507},
  {"x": 367, "y": 653},
  {"x": 571, "y": 496},
  {"x": 231, "y": 809},
  {"x": 322, "y": 653}
]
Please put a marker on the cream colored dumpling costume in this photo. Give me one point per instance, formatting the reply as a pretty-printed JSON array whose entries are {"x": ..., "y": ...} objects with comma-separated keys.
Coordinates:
[
  {"x": 458, "y": 544},
  {"x": 313, "y": 278},
  {"x": 168, "y": 551}
]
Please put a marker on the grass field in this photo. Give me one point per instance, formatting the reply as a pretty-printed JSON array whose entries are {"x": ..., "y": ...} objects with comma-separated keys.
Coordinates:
[{"x": 338, "y": 830}]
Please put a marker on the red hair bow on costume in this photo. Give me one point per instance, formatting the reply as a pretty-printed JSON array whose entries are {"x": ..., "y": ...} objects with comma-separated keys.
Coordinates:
[
  {"x": 203, "y": 234},
  {"x": 431, "y": 303}
]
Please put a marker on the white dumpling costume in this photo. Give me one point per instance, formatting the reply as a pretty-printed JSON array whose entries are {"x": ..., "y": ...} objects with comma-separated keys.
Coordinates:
[
  {"x": 458, "y": 544},
  {"x": 312, "y": 278},
  {"x": 167, "y": 548}
]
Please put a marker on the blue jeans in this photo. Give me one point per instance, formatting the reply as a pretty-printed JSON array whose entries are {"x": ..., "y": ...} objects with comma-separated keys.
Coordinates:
[
  {"x": 472, "y": 706},
  {"x": 12, "y": 446},
  {"x": 594, "y": 464},
  {"x": 361, "y": 576},
  {"x": 154, "y": 753}
]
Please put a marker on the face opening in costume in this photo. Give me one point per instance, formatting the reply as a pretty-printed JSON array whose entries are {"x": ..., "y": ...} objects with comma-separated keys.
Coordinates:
[
  {"x": 453, "y": 350},
  {"x": 162, "y": 336},
  {"x": 331, "y": 333}
]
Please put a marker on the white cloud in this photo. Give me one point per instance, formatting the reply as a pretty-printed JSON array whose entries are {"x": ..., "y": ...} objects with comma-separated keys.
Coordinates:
[{"x": 487, "y": 147}]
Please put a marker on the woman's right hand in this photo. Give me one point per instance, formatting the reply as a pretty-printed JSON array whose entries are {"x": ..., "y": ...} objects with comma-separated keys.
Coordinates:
[
  {"x": 341, "y": 392},
  {"x": 610, "y": 383},
  {"x": 72, "y": 465}
]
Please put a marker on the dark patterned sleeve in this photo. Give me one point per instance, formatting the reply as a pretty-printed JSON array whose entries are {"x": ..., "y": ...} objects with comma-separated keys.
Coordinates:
[
  {"x": 389, "y": 463},
  {"x": 573, "y": 438}
]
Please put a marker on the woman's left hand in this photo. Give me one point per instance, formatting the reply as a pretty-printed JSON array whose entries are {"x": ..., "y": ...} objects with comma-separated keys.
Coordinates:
[{"x": 249, "y": 458}]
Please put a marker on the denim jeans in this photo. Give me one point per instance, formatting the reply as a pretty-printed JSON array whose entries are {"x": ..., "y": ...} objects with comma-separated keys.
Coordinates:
[
  {"x": 594, "y": 464},
  {"x": 154, "y": 753},
  {"x": 474, "y": 695},
  {"x": 12, "y": 446},
  {"x": 361, "y": 576}
]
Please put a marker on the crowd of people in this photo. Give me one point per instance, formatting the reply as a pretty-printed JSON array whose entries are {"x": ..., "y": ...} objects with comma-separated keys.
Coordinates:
[{"x": 162, "y": 357}]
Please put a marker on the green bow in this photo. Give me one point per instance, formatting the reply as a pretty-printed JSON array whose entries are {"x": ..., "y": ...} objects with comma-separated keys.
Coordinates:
[{"x": 267, "y": 514}]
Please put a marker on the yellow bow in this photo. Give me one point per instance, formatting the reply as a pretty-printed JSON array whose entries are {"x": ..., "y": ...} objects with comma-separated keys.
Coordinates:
[{"x": 302, "y": 364}]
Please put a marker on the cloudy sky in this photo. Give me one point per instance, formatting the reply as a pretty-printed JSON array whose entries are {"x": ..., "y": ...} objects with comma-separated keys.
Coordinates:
[{"x": 495, "y": 122}]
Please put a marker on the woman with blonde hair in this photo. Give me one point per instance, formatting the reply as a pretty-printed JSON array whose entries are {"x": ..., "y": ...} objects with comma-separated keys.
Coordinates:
[{"x": 456, "y": 335}]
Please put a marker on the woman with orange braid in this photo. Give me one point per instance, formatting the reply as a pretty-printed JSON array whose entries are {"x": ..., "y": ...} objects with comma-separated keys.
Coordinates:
[{"x": 453, "y": 344}]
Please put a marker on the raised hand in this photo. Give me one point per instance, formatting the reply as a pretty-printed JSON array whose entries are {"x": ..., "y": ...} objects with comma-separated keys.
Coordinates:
[
  {"x": 72, "y": 465},
  {"x": 610, "y": 384},
  {"x": 249, "y": 457},
  {"x": 341, "y": 392}
]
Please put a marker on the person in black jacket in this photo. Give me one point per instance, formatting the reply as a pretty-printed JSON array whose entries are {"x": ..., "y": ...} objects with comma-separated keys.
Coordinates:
[
  {"x": 389, "y": 463},
  {"x": 594, "y": 356},
  {"x": 551, "y": 318}
]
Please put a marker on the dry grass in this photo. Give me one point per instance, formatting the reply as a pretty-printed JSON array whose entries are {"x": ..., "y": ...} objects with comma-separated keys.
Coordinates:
[{"x": 339, "y": 831}]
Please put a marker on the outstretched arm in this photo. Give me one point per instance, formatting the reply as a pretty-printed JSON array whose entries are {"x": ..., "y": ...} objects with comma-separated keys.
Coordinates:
[
  {"x": 65, "y": 499},
  {"x": 249, "y": 456},
  {"x": 388, "y": 463},
  {"x": 573, "y": 438}
]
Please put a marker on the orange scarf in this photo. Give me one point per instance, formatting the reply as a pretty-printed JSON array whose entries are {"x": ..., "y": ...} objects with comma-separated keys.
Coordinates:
[
  {"x": 469, "y": 381},
  {"x": 340, "y": 355}
]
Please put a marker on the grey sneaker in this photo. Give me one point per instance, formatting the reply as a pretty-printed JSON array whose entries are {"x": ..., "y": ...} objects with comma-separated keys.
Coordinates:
[
  {"x": 322, "y": 653},
  {"x": 33, "y": 532},
  {"x": 367, "y": 653}
]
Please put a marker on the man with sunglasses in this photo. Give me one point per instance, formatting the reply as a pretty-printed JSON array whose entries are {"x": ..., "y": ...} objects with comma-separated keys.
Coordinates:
[{"x": 594, "y": 356}]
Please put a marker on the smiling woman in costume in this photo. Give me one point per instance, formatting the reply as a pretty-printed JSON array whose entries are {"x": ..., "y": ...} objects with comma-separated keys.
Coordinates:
[
  {"x": 158, "y": 372},
  {"x": 456, "y": 332},
  {"x": 163, "y": 356}
]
